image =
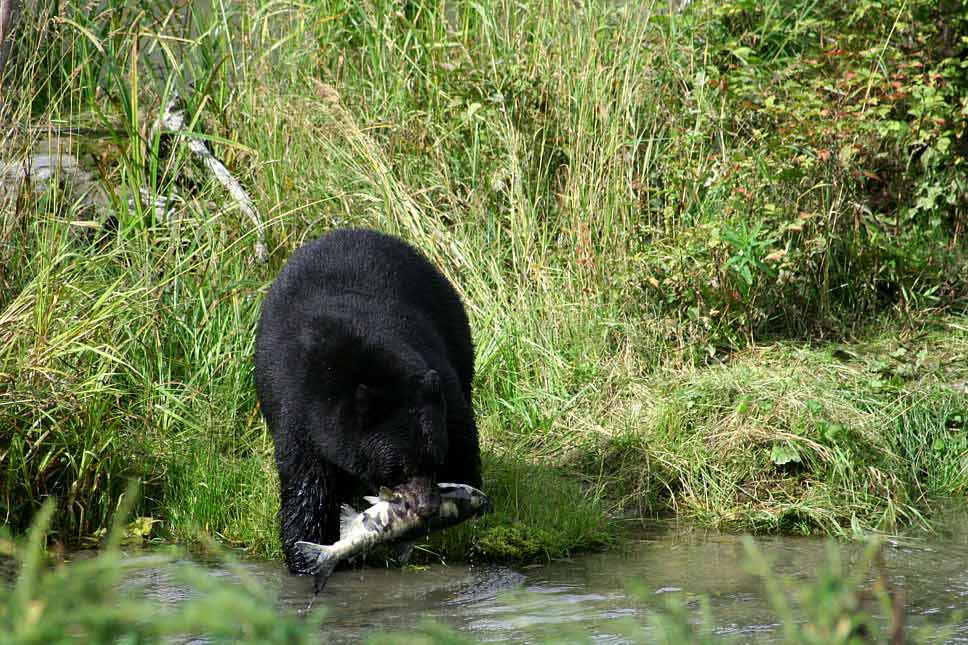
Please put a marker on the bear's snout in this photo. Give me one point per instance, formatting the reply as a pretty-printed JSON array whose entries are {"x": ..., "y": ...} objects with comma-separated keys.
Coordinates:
[{"x": 397, "y": 460}]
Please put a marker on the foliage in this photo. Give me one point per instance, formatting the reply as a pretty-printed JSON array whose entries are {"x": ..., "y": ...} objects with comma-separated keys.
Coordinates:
[
  {"x": 798, "y": 440},
  {"x": 541, "y": 513},
  {"x": 94, "y": 600},
  {"x": 630, "y": 202},
  {"x": 823, "y": 173}
]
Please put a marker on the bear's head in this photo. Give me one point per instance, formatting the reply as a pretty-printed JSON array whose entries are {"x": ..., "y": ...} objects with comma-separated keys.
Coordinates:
[{"x": 379, "y": 413}]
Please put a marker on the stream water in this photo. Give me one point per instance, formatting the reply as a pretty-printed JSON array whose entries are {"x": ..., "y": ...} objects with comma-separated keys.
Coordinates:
[{"x": 591, "y": 596}]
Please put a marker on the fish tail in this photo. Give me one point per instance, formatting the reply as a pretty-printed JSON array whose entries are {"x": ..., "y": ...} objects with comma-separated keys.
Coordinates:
[{"x": 321, "y": 562}]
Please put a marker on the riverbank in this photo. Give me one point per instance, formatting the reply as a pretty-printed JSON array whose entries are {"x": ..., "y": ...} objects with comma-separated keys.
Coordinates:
[{"x": 713, "y": 260}]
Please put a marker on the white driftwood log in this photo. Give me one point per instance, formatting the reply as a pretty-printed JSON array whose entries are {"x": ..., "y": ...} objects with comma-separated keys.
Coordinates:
[
  {"x": 173, "y": 120},
  {"x": 39, "y": 171}
]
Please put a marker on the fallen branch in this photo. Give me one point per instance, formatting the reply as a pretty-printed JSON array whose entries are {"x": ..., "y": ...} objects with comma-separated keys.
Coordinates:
[
  {"x": 173, "y": 120},
  {"x": 59, "y": 130}
]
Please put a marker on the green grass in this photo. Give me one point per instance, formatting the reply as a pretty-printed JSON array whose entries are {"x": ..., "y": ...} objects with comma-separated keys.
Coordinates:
[
  {"x": 540, "y": 513},
  {"x": 710, "y": 259},
  {"x": 835, "y": 439},
  {"x": 94, "y": 599}
]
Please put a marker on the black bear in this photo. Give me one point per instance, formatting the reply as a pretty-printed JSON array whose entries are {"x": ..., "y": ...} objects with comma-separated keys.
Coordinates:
[{"x": 363, "y": 368}]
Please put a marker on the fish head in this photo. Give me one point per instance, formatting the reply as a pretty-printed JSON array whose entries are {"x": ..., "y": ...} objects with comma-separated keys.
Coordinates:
[
  {"x": 468, "y": 500},
  {"x": 402, "y": 430}
]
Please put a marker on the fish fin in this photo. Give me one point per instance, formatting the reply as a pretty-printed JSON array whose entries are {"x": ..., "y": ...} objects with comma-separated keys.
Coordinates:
[
  {"x": 370, "y": 524},
  {"x": 371, "y": 500},
  {"x": 402, "y": 551},
  {"x": 386, "y": 495},
  {"x": 346, "y": 516},
  {"x": 321, "y": 562}
]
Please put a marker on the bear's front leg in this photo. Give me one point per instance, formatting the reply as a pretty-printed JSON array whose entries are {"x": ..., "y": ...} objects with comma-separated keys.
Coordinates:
[{"x": 308, "y": 508}]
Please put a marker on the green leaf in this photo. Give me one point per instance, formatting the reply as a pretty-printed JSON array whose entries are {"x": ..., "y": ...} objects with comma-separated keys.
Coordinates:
[
  {"x": 744, "y": 54},
  {"x": 784, "y": 454},
  {"x": 744, "y": 271},
  {"x": 832, "y": 432}
]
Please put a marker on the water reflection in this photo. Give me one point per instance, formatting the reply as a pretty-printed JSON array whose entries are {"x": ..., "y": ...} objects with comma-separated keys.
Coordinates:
[{"x": 590, "y": 598}]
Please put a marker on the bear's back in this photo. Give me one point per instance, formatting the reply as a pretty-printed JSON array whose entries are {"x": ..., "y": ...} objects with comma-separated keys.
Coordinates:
[
  {"x": 370, "y": 263},
  {"x": 382, "y": 281}
]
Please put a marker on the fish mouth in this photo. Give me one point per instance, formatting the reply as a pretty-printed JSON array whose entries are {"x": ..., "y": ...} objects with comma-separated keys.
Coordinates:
[
  {"x": 481, "y": 504},
  {"x": 474, "y": 499}
]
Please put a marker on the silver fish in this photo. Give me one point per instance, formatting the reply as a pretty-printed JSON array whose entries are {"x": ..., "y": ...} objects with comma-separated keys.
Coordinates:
[{"x": 390, "y": 519}]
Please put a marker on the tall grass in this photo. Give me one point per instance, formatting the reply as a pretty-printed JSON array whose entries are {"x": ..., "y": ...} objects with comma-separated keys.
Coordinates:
[
  {"x": 572, "y": 168},
  {"x": 791, "y": 439}
]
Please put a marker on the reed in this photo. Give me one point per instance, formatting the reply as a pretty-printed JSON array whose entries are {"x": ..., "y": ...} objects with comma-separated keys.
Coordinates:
[{"x": 680, "y": 301}]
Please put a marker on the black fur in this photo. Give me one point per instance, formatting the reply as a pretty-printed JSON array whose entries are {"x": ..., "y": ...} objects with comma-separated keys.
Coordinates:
[{"x": 363, "y": 369}]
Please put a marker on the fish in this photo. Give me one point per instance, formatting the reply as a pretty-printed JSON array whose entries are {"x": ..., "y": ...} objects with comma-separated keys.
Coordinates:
[{"x": 393, "y": 519}]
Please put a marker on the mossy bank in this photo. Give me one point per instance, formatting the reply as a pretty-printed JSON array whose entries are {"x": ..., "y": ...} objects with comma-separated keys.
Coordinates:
[{"x": 713, "y": 259}]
